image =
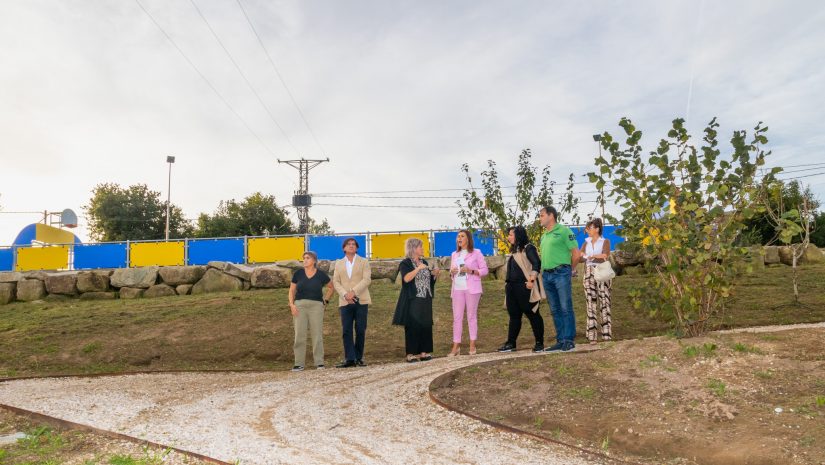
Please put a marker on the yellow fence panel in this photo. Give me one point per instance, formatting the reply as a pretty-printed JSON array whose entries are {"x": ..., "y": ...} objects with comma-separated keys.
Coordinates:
[
  {"x": 392, "y": 245},
  {"x": 156, "y": 254},
  {"x": 274, "y": 249},
  {"x": 43, "y": 258}
]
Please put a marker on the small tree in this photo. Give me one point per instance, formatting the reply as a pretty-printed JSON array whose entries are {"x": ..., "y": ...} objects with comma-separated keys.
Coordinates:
[
  {"x": 792, "y": 223},
  {"x": 778, "y": 196},
  {"x": 685, "y": 207},
  {"x": 493, "y": 211},
  {"x": 134, "y": 213}
]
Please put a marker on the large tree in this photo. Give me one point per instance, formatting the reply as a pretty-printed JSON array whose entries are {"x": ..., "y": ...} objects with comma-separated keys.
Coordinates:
[
  {"x": 133, "y": 213},
  {"x": 256, "y": 215}
]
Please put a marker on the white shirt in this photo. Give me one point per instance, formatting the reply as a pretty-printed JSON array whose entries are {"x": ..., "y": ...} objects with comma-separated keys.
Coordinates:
[
  {"x": 460, "y": 283},
  {"x": 349, "y": 265},
  {"x": 591, "y": 249}
]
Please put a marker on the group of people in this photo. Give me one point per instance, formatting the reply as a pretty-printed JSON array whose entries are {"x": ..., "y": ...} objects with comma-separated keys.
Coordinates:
[{"x": 533, "y": 274}]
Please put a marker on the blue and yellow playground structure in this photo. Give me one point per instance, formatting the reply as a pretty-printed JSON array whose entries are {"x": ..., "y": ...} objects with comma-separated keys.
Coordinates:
[{"x": 43, "y": 247}]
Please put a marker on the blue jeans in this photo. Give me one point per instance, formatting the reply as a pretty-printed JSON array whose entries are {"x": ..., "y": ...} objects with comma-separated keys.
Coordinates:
[
  {"x": 354, "y": 313},
  {"x": 558, "y": 286}
]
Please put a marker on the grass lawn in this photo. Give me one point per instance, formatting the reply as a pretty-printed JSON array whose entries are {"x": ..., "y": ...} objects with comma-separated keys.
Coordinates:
[{"x": 253, "y": 329}]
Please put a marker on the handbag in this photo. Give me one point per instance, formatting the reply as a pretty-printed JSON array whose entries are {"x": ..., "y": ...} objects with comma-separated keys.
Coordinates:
[{"x": 603, "y": 272}]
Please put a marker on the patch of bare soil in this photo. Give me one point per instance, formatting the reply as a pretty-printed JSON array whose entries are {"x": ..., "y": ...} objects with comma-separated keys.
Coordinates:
[{"x": 747, "y": 398}]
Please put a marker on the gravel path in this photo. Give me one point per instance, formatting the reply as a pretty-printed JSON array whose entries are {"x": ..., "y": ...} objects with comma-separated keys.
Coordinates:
[{"x": 374, "y": 415}]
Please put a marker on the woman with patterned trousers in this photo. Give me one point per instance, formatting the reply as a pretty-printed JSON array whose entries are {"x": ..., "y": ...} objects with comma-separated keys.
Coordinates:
[{"x": 595, "y": 250}]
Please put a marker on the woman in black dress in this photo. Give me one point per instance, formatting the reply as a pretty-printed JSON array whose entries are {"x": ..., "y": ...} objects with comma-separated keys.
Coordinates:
[{"x": 414, "y": 310}]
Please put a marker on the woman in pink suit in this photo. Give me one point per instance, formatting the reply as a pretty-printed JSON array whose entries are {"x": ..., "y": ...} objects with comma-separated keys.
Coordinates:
[{"x": 467, "y": 267}]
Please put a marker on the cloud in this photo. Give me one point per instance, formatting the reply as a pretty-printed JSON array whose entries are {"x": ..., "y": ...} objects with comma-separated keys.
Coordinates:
[{"x": 400, "y": 94}]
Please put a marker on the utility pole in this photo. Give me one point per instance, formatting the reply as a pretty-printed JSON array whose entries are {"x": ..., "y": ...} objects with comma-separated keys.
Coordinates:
[
  {"x": 169, "y": 160},
  {"x": 302, "y": 200}
]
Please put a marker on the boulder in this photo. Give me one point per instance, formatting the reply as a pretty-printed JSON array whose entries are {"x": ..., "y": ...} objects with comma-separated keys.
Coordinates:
[
  {"x": 184, "y": 289},
  {"x": 327, "y": 266},
  {"x": 217, "y": 281},
  {"x": 99, "y": 295},
  {"x": 62, "y": 283},
  {"x": 10, "y": 276},
  {"x": 812, "y": 254},
  {"x": 270, "y": 277},
  {"x": 501, "y": 273},
  {"x": 756, "y": 255},
  {"x": 382, "y": 281},
  {"x": 131, "y": 292},
  {"x": 239, "y": 271},
  {"x": 7, "y": 292},
  {"x": 293, "y": 265},
  {"x": 141, "y": 278},
  {"x": 159, "y": 290},
  {"x": 384, "y": 269},
  {"x": 176, "y": 275},
  {"x": 29, "y": 290},
  {"x": 93, "y": 281},
  {"x": 37, "y": 274},
  {"x": 246, "y": 285},
  {"x": 495, "y": 262},
  {"x": 771, "y": 253},
  {"x": 623, "y": 258}
]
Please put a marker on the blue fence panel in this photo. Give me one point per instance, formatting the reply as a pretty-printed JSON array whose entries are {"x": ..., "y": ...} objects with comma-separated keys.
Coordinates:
[
  {"x": 331, "y": 247},
  {"x": 204, "y": 251},
  {"x": 7, "y": 259},
  {"x": 91, "y": 256},
  {"x": 610, "y": 232},
  {"x": 445, "y": 243}
]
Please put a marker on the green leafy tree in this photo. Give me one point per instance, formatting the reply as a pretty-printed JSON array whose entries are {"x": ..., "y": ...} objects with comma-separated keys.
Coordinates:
[
  {"x": 686, "y": 208},
  {"x": 761, "y": 229},
  {"x": 792, "y": 218},
  {"x": 818, "y": 230},
  {"x": 135, "y": 213},
  {"x": 489, "y": 209},
  {"x": 256, "y": 215},
  {"x": 320, "y": 227}
]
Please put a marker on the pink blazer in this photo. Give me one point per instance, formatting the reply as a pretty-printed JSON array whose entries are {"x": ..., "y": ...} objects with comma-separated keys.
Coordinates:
[{"x": 473, "y": 261}]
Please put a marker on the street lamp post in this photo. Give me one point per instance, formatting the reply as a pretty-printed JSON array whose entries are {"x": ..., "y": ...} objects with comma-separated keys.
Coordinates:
[
  {"x": 169, "y": 160},
  {"x": 598, "y": 139}
]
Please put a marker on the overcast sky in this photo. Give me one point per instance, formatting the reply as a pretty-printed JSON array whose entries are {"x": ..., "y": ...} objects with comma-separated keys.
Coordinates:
[{"x": 399, "y": 94}]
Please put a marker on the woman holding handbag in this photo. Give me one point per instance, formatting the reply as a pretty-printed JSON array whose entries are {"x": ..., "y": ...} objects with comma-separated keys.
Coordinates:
[
  {"x": 467, "y": 267},
  {"x": 523, "y": 289},
  {"x": 597, "y": 281}
]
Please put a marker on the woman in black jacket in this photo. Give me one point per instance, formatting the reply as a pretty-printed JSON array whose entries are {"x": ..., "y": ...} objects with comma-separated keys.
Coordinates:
[
  {"x": 414, "y": 310},
  {"x": 523, "y": 289}
]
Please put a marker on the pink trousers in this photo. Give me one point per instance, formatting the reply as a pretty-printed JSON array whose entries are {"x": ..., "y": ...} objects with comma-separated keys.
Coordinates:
[{"x": 462, "y": 300}]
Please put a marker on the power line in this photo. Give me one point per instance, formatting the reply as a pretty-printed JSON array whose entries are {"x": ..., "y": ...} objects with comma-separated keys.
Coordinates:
[
  {"x": 202, "y": 76},
  {"x": 246, "y": 80},
  {"x": 280, "y": 77}
]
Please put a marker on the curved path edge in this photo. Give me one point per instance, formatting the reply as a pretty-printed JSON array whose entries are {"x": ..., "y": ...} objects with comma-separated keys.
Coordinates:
[{"x": 72, "y": 426}]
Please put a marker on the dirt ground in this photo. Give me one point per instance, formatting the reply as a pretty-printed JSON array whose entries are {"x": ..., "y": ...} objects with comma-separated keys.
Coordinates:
[{"x": 743, "y": 398}]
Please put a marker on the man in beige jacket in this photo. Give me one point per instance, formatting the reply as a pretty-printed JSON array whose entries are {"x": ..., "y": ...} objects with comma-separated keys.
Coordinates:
[{"x": 351, "y": 280}]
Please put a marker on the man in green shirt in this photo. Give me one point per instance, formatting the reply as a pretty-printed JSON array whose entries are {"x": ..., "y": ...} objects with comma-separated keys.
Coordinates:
[{"x": 559, "y": 250}]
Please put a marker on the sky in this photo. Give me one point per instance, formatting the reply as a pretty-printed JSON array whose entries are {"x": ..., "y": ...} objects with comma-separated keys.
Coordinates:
[{"x": 398, "y": 95}]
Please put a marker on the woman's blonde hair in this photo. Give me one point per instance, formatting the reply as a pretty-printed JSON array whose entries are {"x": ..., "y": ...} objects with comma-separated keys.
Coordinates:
[{"x": 410, "y": 245}]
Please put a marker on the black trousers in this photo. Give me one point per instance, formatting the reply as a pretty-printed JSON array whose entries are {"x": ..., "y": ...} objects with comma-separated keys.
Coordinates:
[
  {"x": 518, "y": 304},
  {"x": 418, "y": 329},
  {"x": 353, "y": 314}
]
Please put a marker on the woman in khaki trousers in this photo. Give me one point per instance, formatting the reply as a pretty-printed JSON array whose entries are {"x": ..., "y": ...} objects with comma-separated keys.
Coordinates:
[{"x": 307, "y": 302}]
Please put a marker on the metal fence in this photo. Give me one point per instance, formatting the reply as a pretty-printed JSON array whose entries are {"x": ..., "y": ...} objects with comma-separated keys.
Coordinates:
[{"x": 240, "y": 250}]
